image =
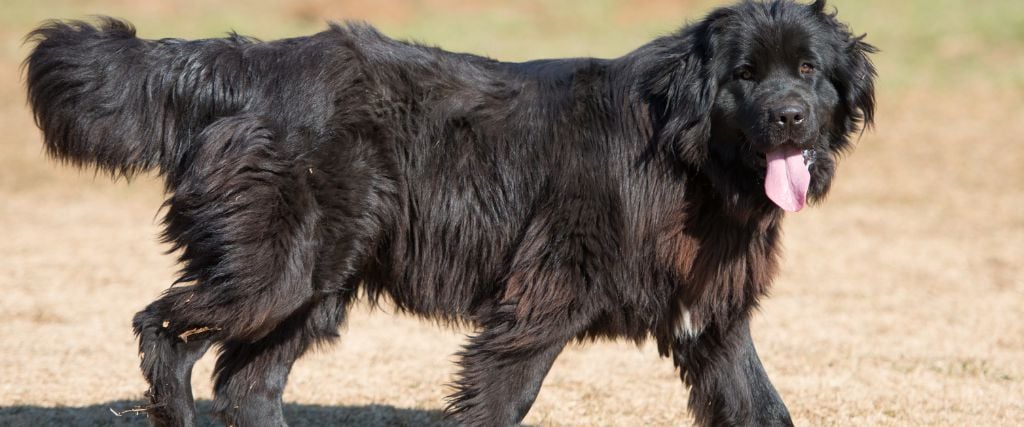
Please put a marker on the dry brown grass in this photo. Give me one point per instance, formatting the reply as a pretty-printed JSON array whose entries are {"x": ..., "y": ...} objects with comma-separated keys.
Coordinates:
[{"x": 900, "y": 302}]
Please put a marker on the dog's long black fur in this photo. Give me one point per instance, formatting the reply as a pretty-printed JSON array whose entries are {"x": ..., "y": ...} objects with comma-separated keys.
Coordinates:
[{"x": 539, "y": 202}]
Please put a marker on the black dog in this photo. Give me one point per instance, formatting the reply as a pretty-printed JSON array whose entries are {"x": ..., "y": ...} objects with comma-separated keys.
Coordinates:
[{"x": 540, "y": 202}]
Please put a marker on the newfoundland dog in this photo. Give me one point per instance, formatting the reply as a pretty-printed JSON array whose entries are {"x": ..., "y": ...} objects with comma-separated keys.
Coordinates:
[{"x": 539, "y": 202}]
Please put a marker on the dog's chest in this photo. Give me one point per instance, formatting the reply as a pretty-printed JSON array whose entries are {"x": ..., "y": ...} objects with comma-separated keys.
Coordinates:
[{"x": 717, "y": 274}]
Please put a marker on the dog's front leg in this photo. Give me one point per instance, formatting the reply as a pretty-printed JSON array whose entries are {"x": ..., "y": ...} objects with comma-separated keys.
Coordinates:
[
  {"x": 728, "y": 385},
  {"x": 497, "y": 384}
]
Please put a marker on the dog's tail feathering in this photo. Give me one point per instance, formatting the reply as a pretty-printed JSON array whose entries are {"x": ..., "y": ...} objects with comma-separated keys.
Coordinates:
[{"x": 106, "y": 98}]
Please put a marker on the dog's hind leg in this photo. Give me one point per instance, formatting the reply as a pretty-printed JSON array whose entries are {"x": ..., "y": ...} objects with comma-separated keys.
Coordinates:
[
  {"x": 167, "y": 365},
  {"x": 246, "y": 222},
  {"x": 251, "y": 377}
]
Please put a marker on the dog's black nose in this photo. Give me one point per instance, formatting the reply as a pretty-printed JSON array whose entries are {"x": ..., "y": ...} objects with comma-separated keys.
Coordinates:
[{"x": 789, "y": 116}]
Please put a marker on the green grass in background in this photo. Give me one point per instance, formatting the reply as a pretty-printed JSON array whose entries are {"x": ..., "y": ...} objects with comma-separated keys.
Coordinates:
[
  {"x": 944, "y": 42},
  {"x": 934, "y": 43}
]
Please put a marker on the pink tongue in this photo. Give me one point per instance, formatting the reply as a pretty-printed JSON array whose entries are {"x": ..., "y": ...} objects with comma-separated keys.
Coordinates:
[{"x": 787, "y": 179}]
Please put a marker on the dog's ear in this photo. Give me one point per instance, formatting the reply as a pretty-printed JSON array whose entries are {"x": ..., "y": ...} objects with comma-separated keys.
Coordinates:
[
  {"x": 818, "y": 6},
  {"x": 858, "y": 86},
  {"x": 679, "y": 82},
  {"x": 855, "y": 74}
]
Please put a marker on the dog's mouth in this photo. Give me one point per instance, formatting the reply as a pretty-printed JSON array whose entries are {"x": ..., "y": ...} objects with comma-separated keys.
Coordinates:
[
  {"x": 785, "y": 170},
  {"x": 788, "y": 176}
]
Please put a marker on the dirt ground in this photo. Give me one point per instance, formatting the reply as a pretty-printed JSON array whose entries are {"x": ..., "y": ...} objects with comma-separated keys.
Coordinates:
[{"x": 901, "y": 300}]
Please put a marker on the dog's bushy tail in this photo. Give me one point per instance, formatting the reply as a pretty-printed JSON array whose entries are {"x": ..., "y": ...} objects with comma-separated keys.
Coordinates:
[{"x": 106, "y": 98}]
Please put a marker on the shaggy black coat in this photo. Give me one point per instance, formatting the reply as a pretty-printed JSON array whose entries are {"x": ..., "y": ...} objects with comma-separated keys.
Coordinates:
[{"x": 539, "y": 202}]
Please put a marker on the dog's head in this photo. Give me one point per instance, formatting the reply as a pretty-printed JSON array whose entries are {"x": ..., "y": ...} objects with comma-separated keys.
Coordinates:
[{"x": 763, "y": 97}]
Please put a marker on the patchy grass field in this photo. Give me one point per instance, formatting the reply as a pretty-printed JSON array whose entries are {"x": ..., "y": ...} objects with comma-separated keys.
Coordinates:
[{"x": 901, "y": 301}]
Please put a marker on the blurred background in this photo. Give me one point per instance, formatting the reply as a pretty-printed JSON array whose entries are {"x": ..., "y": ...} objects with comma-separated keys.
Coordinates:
[{"x": 901, "y": 300}]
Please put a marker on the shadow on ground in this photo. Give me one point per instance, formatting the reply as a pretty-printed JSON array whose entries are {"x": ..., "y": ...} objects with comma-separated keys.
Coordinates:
[{"x": 296, "y": 414}]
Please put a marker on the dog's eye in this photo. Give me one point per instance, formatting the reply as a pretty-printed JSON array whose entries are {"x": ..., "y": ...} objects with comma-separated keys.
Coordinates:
[
  {"x": 744, "y": 73},
  {"x": 806, "y": 68}
]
